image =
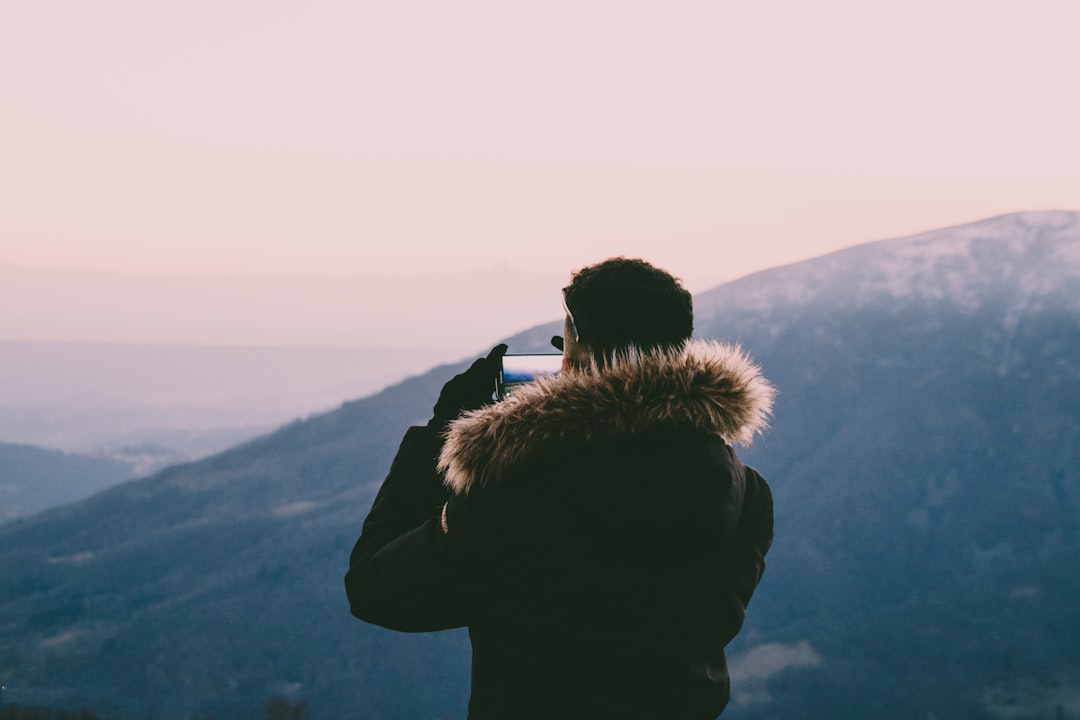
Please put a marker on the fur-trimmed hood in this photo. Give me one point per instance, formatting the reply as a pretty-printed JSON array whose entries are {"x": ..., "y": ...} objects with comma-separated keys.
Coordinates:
[{"x": 709, "y": 386}]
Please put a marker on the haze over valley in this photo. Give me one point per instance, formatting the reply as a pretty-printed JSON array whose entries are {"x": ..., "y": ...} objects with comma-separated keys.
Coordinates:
[{"x": 156, "y": 370}]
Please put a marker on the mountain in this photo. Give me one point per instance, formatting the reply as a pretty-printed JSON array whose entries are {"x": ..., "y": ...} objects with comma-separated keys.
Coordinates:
[
  {"x": 924, "y": 458},
  {"x": 32, "y": 479}
]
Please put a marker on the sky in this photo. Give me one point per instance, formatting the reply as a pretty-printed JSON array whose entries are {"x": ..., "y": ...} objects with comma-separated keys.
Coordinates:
[{"x": 352, "y": 139}]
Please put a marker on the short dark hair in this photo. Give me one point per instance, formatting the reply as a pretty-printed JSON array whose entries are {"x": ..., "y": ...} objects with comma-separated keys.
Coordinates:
[{"x": 622, "y": 303}]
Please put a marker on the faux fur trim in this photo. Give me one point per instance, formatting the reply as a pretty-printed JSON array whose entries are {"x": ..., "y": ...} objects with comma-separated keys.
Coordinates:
[{"x": 709, "y": 386}]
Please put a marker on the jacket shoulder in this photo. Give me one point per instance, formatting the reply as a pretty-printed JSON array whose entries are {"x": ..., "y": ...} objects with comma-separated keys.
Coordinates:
[{"x": 708, "y": 387}]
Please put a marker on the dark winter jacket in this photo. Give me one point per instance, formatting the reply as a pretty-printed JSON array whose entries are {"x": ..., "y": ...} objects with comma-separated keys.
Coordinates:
[{"x": 602, "y": 539}]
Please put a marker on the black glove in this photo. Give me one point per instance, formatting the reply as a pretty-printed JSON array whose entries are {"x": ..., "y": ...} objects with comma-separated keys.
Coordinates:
[{"x": 469, "y": 390}]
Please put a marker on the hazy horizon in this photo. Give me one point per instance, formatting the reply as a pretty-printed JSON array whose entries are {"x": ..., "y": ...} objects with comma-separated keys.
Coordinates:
[{"x": 447, "y": 315}]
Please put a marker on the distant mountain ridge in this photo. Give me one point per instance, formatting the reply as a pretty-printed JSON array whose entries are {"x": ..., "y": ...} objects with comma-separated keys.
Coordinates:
[
  {"x": 32, "y": 479},
  {"x": 924, "y": 456}
]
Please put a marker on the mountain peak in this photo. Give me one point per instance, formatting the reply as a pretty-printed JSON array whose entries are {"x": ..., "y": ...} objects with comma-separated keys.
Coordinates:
[{"x": 1022, "y": 257}]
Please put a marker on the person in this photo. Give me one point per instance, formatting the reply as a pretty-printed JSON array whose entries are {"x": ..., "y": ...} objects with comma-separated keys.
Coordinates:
[{"x": 594, "y": 531}]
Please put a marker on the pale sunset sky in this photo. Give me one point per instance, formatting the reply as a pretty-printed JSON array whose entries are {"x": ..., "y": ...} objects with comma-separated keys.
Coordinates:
[{"x": 406, "y": 138}]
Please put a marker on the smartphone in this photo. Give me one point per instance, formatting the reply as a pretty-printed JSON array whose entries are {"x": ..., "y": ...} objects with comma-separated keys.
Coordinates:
[{"x": 517, "y": 370}]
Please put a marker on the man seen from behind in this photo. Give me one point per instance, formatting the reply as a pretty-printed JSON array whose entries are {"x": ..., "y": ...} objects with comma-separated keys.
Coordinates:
[{"x": 595, "y": 531}]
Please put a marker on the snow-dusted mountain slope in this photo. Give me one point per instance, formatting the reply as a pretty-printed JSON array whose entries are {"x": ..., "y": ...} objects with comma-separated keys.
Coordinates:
[{"x": 1026, "y": 259}]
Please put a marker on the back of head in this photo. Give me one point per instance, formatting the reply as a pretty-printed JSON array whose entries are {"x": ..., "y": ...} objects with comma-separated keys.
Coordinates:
[{"x": 622, "y": 303}]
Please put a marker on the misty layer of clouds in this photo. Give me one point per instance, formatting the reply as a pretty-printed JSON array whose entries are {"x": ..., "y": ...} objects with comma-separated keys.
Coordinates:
[{"x": 752, "y": 670}]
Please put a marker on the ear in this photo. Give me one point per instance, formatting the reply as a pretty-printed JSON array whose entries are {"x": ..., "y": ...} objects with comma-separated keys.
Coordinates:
[{"x": 579, "y": 356}]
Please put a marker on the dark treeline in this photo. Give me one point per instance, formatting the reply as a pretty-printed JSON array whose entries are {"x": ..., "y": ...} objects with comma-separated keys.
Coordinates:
[
  {"x": 16, "y": 712},
  {"x": 276, "y": 709}
]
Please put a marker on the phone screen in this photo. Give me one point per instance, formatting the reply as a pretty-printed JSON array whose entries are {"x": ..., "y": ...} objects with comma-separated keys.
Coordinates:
[{"x": 520, "y": 369}]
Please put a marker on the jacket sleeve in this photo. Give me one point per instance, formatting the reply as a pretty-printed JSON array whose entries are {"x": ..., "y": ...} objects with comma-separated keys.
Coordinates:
[
  {"x": 401, "y": 575},
  {"x": 744, "y": 562}
]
